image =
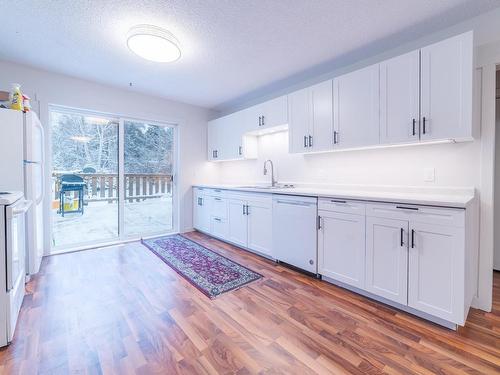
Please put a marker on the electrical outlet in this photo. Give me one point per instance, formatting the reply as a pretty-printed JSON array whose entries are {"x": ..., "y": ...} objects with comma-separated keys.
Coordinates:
[{"x": 429, "y": 174}]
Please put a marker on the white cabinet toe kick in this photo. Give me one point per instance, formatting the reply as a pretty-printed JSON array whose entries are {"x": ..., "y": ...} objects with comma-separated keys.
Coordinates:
[{"x": 421, "y": 259}]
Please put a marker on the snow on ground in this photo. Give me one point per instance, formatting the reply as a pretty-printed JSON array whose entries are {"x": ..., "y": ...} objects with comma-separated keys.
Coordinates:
[{"x": 100, "y": 221}]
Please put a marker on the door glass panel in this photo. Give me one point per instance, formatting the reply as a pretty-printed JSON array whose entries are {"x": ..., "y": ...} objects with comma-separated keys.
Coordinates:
[
  {"x": 148, "y": 167},
  {"x": 84, "y": 201}
]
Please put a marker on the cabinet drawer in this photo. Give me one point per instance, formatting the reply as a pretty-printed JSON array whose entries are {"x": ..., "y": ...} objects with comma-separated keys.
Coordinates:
[
  {"x": 423, "y": 214},
  {"x": 219, "y": 227},
  {"x": 342, "y": 206},
  {"x": 250, "y": 197},
  {"x": 215, "y": 193},
  {"x": 219, "y": 207}
]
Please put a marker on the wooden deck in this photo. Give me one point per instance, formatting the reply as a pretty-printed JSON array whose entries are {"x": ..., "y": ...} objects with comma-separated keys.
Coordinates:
[{"x": 121, "y": 310}]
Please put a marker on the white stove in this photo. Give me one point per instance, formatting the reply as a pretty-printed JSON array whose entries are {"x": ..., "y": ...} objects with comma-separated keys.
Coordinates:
[
  {"x": 9, "y": 197},
  {"x": 13, "y": 209}
]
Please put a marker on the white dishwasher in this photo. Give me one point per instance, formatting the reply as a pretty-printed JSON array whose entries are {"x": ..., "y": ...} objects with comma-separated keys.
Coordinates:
[{"x": 295, "y": 231}]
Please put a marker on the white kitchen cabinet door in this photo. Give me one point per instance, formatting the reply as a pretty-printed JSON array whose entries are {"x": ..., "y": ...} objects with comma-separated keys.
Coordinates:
[
  {"x": 219, "y": 227},
  {"x": 274, "y": 112},
  {"x": 356, "y": 108},
  {"x": 321, "y": 127},
  {"x": 299, "y": 119},
  {"x": 201, "y": 211},
  {"x": 232, "y": 137},
  {"x": 446, "y": 89},
  {"x": 253, "y": 118},
  {"x": 218, "y": 140},
  {"x": 399, "y": 99},
  {"x": 212, "y": 138},
  {"x": 237, "y": 222},
  {"x": 260, "y": 227},
  {"x": 387, "y": 258},
  {"x": 436, "y": 270},
  {"x": 341, "y": 247}
]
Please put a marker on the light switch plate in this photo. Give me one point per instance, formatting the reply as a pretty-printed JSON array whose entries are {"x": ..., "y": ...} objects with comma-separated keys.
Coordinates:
[{"x": 429, "y": 174}]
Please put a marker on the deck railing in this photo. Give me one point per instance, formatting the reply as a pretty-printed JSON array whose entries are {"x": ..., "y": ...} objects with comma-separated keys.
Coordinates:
[{"x": 104, "y": 186}]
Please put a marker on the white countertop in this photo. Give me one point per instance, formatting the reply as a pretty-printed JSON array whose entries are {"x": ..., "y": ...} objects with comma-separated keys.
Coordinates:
[
  {"x": 442, "y": 197},
  {"x": 11, "y": 197}
]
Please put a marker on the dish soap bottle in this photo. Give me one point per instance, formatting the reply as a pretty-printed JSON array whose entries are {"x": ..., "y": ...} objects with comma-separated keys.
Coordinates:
[{"x": 16, "y": 101}]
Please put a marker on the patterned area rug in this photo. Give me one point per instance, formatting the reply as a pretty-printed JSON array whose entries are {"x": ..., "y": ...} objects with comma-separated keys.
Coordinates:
[{"x": 211, "y": 273}]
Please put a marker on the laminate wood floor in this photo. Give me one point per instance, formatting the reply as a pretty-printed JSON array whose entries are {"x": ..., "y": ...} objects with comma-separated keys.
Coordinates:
[{"x": 121, "y": 310}]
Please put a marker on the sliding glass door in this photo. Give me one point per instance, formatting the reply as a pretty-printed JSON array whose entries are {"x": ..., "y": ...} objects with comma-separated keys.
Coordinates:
[
  {"x": 84, "y": 193},
  {"x": 111, "y": 178},
  {"x": 148, "y": 170}
]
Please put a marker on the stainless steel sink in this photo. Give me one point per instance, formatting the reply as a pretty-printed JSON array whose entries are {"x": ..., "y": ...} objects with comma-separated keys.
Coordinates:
[{"x": 266, "y": 187}]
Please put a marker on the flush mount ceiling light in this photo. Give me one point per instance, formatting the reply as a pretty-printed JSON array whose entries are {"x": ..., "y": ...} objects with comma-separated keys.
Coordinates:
[{"x": 153, "y": 43}]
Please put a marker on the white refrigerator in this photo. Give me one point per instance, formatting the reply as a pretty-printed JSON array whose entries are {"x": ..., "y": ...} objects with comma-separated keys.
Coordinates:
[{"x": 22, "y": 158}]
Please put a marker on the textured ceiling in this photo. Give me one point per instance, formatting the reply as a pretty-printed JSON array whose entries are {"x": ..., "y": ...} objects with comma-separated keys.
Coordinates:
[{"x": 231, "y": 48}]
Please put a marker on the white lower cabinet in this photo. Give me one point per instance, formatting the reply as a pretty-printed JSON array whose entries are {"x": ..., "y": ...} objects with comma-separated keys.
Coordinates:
[
  {"x": 416, "y": 256},
  {"x": 237, "y": 222},
  {"x": 419, "y": 257},
  {"x": 201, "y": 211},
  {"x": 260, "y": 227},
  {"x": 341, "y": 247},
  {"x": 243, "y": 219},
  {"x": 219, "y": 227},
  {"x": 387, "y": 258},
  {"x": 434, "y": 277}
]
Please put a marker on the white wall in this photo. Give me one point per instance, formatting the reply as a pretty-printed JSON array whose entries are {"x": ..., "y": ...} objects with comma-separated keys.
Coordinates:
[
  {"x": 496, "y": 254},
  {"x": 51, "y": 88},
  {"x": 454, "y": 164}
]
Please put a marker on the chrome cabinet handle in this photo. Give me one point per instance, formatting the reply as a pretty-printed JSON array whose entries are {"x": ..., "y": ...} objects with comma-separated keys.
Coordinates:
[
  {"x": 310, "y": 141},
  {"x": 263, "y": 121},
  {"x": 305, "y": 141},
  {"x": 414, "y": 122},
  {"x": 337, "y": 201},
  {"x": 294, "y": 203},
  {"x": 217, "y": 219},
  {"x": 240, "y": 150},
  {"x": 407, "y": 208},
  {"x": 412, "y": 238},
  {"x": 335, "y": 137},
  {"x": 423, "y": 125},
  {"x": 402, "y": 233}
]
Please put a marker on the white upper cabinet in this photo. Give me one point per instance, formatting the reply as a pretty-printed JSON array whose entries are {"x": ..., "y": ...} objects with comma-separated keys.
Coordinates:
[
  {"x": 356, "y": 108},
  {"x": 421, "y": 96},
  {"x": 299, "y": 109},
  {"x": 310, "y": 118},
  {"x": 446, "y": 89},
  {"x": 268, "y": 114},
  {"x": 226, "y": 139},
  {"x": 322, "y": 116},
  {"x": 399, "y": 99},
  {"x": 214, "y": 138}
]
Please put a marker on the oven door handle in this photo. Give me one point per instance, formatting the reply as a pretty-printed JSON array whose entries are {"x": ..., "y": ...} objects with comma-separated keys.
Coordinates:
[{"x": 18, "y": 209}]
